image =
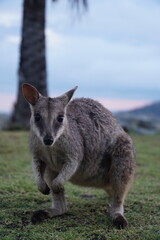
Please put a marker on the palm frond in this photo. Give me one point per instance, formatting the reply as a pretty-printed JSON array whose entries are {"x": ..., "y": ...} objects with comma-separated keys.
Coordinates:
[{"x": 77, "y": 3}]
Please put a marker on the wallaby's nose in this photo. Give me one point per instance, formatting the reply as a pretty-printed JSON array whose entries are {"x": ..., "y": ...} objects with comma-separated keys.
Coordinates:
[{"x": 48, "y": 141}]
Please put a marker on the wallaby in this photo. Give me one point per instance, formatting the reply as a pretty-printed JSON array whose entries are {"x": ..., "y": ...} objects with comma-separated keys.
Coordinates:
[{"x": 82, "y": 142}]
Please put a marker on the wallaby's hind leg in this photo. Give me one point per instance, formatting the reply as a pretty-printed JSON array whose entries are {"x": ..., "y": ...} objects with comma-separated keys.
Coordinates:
[
  {"x": 121, "y": 175},
  {"x": 58, "y": 207},
  {"x": 117, "y": 208}
]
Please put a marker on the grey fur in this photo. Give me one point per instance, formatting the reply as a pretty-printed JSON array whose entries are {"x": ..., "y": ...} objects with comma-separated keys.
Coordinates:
[{"x": 90, "y": 148}]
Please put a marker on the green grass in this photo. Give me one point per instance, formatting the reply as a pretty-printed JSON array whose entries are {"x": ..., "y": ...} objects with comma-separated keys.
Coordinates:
[{"x": 87, "y": 217}]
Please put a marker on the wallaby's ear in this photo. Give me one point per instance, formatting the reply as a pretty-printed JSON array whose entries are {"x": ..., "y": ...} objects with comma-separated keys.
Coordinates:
[
  {"x": 68, "y": 95},
  {"x": 30, "y": 93}
]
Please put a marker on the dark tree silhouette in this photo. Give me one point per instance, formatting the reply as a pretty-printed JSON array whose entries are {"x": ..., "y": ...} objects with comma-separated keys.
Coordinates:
[{"x": 32, "y": 64}]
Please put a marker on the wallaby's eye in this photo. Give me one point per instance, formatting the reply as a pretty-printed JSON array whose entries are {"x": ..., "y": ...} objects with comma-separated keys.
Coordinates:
[
  {"x": 37, "y": 117},
  {"x": 60, "y": 118}
]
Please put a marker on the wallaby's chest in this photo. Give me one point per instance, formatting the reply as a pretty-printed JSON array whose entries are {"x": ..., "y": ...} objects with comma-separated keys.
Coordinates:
[{"x": 55, "y": 159}]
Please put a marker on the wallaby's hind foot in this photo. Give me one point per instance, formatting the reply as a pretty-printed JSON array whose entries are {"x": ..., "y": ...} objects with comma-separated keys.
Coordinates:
[
  {"x": 58, "y": 208},
  {"x": 117, "y": 215},
  {"x": 117, "y": 207},
  {"x": 40, "y": 215},
  {"x": 120, "y": 221}
]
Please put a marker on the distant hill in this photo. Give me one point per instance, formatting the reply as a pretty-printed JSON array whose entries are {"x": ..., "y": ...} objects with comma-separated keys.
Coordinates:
[
  {"x": 152, "y": 110},
  {"x": 145, "y": 120}
]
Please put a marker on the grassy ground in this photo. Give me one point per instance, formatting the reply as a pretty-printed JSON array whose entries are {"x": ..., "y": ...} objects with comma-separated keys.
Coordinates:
[{"x": 88, "y": 215}]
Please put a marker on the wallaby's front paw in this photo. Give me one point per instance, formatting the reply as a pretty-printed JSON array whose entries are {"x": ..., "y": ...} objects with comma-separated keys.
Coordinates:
[
  {"x": 43, "y": 188},
  {"x": 45, "y": 191},
  {"x": 57, "y": 187}
]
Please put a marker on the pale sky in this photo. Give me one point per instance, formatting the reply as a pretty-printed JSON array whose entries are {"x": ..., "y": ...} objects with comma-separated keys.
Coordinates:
[{"x": 112, "y": 51}]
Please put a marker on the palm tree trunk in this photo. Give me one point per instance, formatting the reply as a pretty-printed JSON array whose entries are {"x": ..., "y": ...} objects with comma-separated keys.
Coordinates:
[{"x": 32, "y": 65}]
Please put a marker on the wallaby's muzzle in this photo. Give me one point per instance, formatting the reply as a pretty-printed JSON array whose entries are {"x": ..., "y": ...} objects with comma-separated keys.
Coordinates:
[{"x": 48, "y": 141}]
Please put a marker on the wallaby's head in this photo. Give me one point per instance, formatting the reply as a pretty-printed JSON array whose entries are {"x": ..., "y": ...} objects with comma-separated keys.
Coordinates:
[{"x": 48, "y": 115}]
